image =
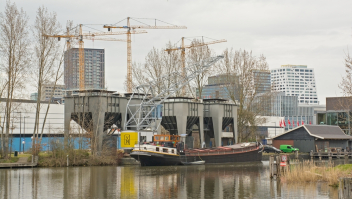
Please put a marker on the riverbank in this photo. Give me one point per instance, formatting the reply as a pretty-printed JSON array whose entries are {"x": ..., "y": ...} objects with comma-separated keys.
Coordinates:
[
  {"x": 301, "y": 156},
  {"x": 309, "y": 171},
  {"x": 62, "y": 159}
]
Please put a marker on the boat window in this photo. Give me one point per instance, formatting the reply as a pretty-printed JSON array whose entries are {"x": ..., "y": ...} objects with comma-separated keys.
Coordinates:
[
  {"x": 166, "y": 138},
  {"x": 165, "y": 150},
  {"x": 156, "y": 137},
  {"x": 162, "y": 138},
  {"x": 157, "y": 149},
  {"x": 172, "y": 151}
]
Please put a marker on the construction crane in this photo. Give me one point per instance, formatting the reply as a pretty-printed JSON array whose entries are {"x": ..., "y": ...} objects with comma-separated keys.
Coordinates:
[
  {"x": 143, "y": 115},
  {"x": 130, "y": 30},
  {"x": 80, "y": 38},
  {"x": 193, "y": 45}
]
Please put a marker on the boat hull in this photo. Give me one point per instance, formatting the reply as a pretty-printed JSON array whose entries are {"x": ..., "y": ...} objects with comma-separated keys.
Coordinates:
[{"x": 157, "y": 159}]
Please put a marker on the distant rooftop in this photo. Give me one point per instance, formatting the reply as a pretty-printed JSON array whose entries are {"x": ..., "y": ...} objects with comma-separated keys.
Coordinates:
[{"x": 293, "y": 66}]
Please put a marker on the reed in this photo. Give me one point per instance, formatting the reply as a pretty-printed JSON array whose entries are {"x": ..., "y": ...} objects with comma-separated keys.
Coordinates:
[{"x": 308, "y": 171}]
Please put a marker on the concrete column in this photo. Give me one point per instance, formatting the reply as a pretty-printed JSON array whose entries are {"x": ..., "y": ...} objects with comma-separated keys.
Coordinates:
[
  {"x": 217, "y": 123},
  {"x": 201, "y": 130},
  {"x": 98, "y": 128},
  {"x": 181, "y": 124},
  {"x": 69, "y": 107}
]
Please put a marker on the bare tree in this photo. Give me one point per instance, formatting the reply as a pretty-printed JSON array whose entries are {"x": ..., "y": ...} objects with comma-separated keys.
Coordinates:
[
  {"x": 157, "y": 63},
  {"x": 195, "y": 58},
  {"x": 47, "y": 61},
  {"x": 14, "y": 52},
  {"x": 242, "y": 73}
]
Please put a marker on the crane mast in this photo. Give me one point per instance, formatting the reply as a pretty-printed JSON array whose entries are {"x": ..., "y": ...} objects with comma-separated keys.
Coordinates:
[
  {"x": 130, "y": 27},
  {"x": 183, "y": 53}
]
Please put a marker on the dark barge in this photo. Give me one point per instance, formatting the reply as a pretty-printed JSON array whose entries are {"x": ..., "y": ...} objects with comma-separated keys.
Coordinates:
[{"x": 152, "y": 155}]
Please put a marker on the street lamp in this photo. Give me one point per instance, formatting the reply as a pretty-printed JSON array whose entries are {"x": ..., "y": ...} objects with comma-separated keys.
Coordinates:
[
  {"x": 275, "y": 127},
  {"x": 24, "y": 132}
]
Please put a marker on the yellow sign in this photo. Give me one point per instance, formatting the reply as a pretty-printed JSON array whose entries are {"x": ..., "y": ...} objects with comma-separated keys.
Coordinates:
[{"x": 129, "y": 139}]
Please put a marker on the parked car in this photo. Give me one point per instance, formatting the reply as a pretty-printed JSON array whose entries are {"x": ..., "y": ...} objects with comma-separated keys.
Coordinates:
[
  {"x": 271, "y": 149},
  {"x": 288, "y": 148}
]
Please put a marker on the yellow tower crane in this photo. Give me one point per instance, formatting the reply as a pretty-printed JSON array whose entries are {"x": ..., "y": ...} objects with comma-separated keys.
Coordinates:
[
  {"x": 183, "y": 52},
  {"x": 131, "y": 30},
  {"x": 80, "y": 38}
]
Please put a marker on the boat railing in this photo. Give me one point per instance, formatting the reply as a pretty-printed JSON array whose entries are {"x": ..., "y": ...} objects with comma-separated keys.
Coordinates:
[{"x": 217, "y": 151}]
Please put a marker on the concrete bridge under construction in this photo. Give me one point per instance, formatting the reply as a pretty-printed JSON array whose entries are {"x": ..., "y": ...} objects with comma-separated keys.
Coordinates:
[{"x": 209, "y": 121}]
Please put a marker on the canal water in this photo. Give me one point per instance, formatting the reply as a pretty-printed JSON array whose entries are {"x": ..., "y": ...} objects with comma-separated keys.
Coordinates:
[{"x": 241, "y": 180}]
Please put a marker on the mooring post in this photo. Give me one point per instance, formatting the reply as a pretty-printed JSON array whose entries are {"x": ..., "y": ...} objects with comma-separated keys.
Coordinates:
[
  {"x": 311, "y": 155},
  {"x": 338, "y": 153},
  {"x": 67, "y": 160},
  {"x": 346, "y": 158},
  {"x": 278, "y": 169},
  {"x": 345, "y": 188},
  {"x": 319, "y": 153},
  {"x": 330, "y": 155},
  {"x": 296, "y": 154},
  {"x": 271, "y": 164}
]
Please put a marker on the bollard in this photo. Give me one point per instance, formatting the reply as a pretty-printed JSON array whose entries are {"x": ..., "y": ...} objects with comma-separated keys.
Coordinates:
[
  {"x": 67, "y": 160},
  {"x": 346, "y": 159},
  {"x": 32, "y": 159},
  {"x": 296, "y": 153}
]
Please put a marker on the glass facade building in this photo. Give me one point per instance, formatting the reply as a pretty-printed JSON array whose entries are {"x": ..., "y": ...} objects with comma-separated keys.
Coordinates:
[
  {"x": 288, "y": 107},
  {"x": 262, "y": 81},
  {"x": 218, "y": 86},
  {"x": 295, "y": 80},
  {"x": 94, "y": 69}
]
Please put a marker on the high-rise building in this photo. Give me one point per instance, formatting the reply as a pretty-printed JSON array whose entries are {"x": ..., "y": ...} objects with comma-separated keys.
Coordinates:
[
  {"x": 296, "y": 80},
  {"x": 261, "y": 81},
  {"x": 94, "y": 69},
  {"x": 218, "y": 86}
]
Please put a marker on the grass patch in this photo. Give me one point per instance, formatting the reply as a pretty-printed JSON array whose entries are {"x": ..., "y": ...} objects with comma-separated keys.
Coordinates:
[
  {"x": 11, "y": 160},
  {"x": 344, "y": 167}
]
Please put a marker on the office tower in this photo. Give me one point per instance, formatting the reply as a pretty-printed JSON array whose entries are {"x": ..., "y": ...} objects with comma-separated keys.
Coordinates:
[
  {"x": 295, "y": 80},
  {"x": 94, "y": 69}
]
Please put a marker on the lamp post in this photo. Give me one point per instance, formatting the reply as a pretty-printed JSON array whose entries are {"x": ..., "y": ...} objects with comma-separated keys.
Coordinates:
[
  {"x": 24, "y": 131},
  {"x": 20, "y": 129},
  {"x": 275, "y": 127}
]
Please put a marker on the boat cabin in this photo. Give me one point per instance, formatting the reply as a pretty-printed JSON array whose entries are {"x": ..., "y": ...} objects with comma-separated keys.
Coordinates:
[
  {"x": 166, "y": 140},
  {"x": 154, "y": 148}
]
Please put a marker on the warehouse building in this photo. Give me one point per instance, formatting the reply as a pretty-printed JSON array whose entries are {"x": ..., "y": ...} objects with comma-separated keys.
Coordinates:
[{"x": 314, "y": 137}]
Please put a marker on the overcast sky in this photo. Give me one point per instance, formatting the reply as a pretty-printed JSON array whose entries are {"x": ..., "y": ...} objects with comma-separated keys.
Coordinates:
[{"x": 313, "y": 33}]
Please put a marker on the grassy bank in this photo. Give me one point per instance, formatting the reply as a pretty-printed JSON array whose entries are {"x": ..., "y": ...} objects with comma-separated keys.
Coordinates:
[
  {"x": 308, "y": 171},
  {"x": 76, "y": 158}
]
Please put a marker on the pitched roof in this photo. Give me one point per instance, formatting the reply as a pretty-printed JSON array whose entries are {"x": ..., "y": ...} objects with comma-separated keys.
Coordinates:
[{"x": 323, "y": 132}]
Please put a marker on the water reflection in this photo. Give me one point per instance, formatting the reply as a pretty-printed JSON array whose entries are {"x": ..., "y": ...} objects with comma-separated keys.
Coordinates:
[{"x": 250, "y": 180}]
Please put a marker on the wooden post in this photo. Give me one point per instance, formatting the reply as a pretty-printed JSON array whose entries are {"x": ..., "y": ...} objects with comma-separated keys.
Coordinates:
[
  {"x": 296, "y": 154},
  {"x": 311, "y": 155},
  {"x": 67, "y": 160},
  {"x": 346, "y": 159},
  {"x": 271, "y": 164},
  {"x": 278, "y": 168},
  {"x": 345, "y": 188},
  {"x": 330, "y": 156},
  {"x": 338, "y": 153},
  {"x": 319, "y": 153}
]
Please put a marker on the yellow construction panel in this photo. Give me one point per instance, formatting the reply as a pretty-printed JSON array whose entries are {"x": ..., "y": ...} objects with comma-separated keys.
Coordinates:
[{"x": 129, "y": 139}]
